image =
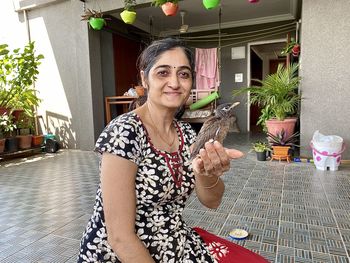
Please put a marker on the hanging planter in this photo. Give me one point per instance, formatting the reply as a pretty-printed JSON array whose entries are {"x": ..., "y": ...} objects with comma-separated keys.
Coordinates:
[
  {"x": 96, "y": 21},
  {"x": 211, "y": 4},
  {"x": 129, "y": 14},
  {"x": 253, "y": 1},
  {"x": 169, "y": 7},
  {"x": 128, "y": 17}
]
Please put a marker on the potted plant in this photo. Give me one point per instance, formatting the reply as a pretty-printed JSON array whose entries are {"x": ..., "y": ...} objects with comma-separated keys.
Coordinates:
[
  {"x": 95, "y": 19},
  {"x": 261, "y": 149},
  {"x": 279, "y": 98},
  {"x": 17, "y": 92},
  {"x": 25, "y": 125},
  {"x": 169, "y": 7},
  {"x": 7, "y": 129},
  {"x": 281, "y": 144},
  {"x": 129, "y": 14},
  {"x": 211, "y": 4}
]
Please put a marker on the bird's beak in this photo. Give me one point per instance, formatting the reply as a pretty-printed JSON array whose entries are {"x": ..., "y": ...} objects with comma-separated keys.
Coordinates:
[{"x": 234, "y": 105}]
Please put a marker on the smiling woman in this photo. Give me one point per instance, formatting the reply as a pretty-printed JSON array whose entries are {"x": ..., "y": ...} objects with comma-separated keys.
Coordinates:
[{"x": 147, "y": 175}]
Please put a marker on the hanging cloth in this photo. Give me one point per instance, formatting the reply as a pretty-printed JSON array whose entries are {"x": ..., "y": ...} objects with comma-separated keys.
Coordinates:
[{"x": 207, "y": 69}]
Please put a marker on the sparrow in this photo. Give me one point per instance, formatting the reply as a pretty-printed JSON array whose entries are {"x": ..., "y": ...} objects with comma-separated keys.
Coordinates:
[{"x": 215, "y": 128}]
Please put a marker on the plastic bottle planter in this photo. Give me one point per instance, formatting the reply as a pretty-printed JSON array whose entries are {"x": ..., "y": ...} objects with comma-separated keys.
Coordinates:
[
  {"x": 128, "y": 17},
  {"x": 210, "y": 4},
  {"x": 97, "y": 23},
  {"x": 170, "y": 9}
]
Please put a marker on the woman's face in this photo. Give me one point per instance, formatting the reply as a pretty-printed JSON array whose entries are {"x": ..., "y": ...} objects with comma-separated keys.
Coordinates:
[{"x": 170, "y": 80}]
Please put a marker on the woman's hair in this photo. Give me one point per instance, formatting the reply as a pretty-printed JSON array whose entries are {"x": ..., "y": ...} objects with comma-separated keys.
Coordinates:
[{"x": 151, "y": 54}]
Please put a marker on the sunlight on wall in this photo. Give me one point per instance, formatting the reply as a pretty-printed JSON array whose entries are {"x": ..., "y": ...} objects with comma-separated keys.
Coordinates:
[{"x": 54, "y": 107}]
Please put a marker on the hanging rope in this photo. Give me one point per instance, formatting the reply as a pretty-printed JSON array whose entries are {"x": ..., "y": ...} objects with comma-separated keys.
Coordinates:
[{"x": 219, "y": 44}]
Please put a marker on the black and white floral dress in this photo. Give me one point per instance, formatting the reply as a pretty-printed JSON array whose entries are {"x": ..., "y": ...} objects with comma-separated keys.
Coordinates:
[{"x": 163, "y": 183}]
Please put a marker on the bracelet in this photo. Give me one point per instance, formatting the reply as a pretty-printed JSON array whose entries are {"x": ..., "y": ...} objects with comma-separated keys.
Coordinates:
[{"x": 212, "y": 186}]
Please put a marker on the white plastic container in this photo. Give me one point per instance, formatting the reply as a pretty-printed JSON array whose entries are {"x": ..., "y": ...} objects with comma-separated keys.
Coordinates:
[{"x": 326, "y": 151}]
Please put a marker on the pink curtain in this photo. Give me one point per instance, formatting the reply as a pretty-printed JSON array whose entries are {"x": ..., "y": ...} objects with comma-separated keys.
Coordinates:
[{"x": 207, "y": 70}]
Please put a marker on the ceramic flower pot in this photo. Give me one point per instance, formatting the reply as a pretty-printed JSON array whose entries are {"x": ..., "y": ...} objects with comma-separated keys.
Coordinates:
[
  {"x": 24, "y": 141},
  {"x": 37, "y": 140},
  {"x": 170, "y": 9},
  {"x": 2, "y": 145},
  {"x": 211, "y": 4},
  {"x": 97, "y": 23},
  {"x": 128, "y": 17},
  {"x": 11, "y": 144}
]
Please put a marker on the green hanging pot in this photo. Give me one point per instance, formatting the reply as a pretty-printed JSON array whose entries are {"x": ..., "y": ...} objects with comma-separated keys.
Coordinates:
[
  {"x": 128, "y": 17},
  {"x": 210, "y": 4},
  {"x": 97, "y": 23}
]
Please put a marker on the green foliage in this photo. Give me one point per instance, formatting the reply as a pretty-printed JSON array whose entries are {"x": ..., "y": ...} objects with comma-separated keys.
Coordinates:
[
  {"x": 18, "y": 72},
  {"x": 281, "y": 139},
  {"x": 278, "y": 92},
  {"x": 266, "y": 114},
  {"x": 89, "y": 13},
  {"x": 261, "y": 146},
  {"x": 130, "y": 5},
  {"x": 7, "y": 126},
  {"x": 162, "y": 2}
]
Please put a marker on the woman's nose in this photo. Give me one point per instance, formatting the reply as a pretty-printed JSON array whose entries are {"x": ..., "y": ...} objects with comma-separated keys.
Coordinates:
[{"x": 173, "y": 80}]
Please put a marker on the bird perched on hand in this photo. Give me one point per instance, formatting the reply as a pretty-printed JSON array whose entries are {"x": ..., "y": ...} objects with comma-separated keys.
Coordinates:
[{"x": 215, "y": 128}]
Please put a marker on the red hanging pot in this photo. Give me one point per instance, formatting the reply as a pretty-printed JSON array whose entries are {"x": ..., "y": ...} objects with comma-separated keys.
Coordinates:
[
  {"x": 253, "y": 1},
  {"x": 128, "y": 17},
  {"x": 211, "y": 4},
  {"x": 170, "y": 9}
]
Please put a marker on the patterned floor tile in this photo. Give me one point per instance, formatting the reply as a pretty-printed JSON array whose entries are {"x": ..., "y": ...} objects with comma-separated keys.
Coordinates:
[{"x": 293, "y": 212}]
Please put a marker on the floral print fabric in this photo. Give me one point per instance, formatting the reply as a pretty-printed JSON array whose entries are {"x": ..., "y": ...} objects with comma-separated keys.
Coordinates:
[{"x": 161, "y": 192}]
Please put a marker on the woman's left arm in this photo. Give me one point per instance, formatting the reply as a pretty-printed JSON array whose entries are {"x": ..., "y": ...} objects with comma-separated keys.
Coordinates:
[{"x": 213, "y": 162}]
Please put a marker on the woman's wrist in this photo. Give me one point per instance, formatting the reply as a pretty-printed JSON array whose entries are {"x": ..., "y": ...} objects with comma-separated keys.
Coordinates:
[{"x": 207, "y": 182}]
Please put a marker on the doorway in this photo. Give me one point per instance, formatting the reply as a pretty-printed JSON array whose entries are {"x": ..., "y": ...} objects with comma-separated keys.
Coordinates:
[{"x": 263, "y": 58}]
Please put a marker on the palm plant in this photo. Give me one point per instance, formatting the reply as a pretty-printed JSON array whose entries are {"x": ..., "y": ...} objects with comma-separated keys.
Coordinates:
[{"x": 278, "y": 92}]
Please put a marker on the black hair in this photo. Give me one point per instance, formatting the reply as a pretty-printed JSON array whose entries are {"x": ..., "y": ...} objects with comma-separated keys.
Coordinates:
[{"x": 150, "y": 55}]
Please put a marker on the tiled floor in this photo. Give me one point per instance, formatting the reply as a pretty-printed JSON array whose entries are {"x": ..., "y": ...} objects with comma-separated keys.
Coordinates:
[{"x": 293, "y": 212}]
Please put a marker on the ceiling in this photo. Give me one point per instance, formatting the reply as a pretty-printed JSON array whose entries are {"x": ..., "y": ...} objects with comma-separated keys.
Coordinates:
[{"x": 234, "y": 13}]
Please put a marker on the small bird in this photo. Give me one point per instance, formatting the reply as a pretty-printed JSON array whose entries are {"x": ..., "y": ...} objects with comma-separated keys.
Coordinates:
[{"x": 215, "y": 128}]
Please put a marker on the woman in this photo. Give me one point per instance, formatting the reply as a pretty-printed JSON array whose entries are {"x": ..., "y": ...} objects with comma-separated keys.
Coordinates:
[{"x": 145, "y": 174}]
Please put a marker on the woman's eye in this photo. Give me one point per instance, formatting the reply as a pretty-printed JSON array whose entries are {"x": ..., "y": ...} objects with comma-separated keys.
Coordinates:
[
  {"x": 184, "y": 75},
  {"x": 163, "y": 73}
]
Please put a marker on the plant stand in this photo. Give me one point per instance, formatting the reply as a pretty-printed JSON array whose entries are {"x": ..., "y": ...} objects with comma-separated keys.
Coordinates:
[{"x": 280, "y": 153}]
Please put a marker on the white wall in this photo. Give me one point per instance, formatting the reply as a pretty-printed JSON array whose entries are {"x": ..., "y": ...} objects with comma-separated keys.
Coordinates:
[{"x": 325, "y": 57}]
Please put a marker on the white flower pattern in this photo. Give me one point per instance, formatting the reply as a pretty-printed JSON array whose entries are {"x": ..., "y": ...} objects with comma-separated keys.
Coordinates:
[
  {"x": 159, "y": 200},
  {"x": 218, "y": 250}
]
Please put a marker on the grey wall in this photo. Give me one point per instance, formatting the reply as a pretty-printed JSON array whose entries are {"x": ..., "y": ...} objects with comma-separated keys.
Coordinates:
[{"x": 325, "y": 57}]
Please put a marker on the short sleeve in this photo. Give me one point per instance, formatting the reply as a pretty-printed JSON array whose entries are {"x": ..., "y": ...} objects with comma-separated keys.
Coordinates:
[{"x": 120, "y": 137}]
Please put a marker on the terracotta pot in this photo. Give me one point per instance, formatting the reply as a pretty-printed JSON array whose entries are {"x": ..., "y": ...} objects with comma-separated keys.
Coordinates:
[
  {"x": 170, "y": 9},
  {"x": 281, "y": 150},
  {"x": 16, "y": 114},
  {"x": 37, "y": 140},
  {"x": 24, "y": 141},
  {"x": 275, "y": 126},
  {"x": 2, "y": 145},
  {"x": 128, "y": 17}
]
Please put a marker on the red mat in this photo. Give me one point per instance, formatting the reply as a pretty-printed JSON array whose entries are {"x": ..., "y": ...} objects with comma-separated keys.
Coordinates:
[{"x": 225, "y": 251}]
